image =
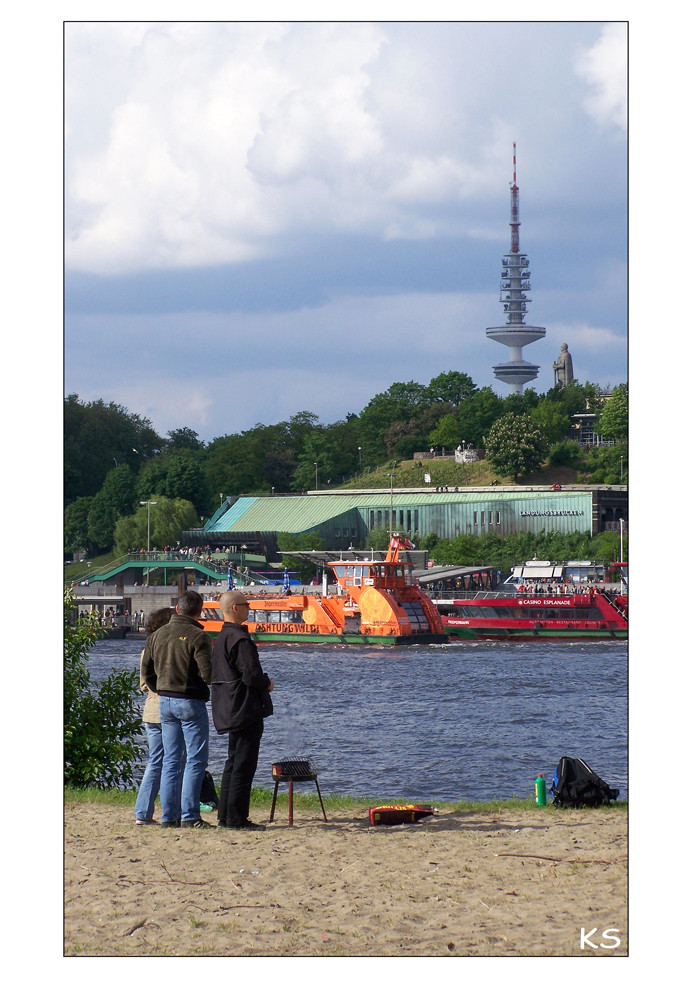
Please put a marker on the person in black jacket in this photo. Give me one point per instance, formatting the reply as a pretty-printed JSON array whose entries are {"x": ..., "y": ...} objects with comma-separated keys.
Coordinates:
[{"x": 238, "y": 682}]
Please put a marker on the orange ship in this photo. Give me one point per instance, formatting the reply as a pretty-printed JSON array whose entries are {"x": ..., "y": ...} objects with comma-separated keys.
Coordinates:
[{"x": 376, "y": 602}]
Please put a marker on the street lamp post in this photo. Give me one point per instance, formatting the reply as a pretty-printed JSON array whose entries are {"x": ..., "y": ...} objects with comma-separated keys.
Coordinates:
[
  {"x": 392, "y": 476},
  {"x": 360, "y": 469},
  {"x": 148, "y": 504},
  {"x": 316, "y": 476}
]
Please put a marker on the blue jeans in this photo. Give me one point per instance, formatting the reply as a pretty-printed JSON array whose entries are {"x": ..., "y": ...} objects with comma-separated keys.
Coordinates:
[
  {"x": 151, "y": 779},
  {"x": 184, "y": 728}
]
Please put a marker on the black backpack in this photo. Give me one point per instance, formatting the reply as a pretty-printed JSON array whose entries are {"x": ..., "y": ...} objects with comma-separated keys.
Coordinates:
[
  {"x": 575, "y": 784},
  {"x": 208, "y": 793}
]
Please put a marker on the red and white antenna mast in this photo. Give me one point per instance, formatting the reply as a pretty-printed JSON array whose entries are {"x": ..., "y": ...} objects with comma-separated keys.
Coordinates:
[{"x": 514, "y": 209}]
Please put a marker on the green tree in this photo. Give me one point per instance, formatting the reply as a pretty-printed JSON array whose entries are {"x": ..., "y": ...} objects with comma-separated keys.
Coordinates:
[
  {"x": 478, "y": 413},
  {"x": 333, "y": 449},
  {"x": 176, "y": 475},
  {"x": 183, "y": 438},
  {"x": 520, "y": 402},
  {"x": 551, "y": 416},
  {"x": 515, "y": 446},
  {"x": 277, "y": 449},
  {"x": 379, "y": 538},
  {"x": 608, "y": 547},
  {"x": 568, "y": 453},
  {"x": 608, "y": 464},
  {"x": 403, "y": 437},
  {"x": 306, "y": 542},
  {"x": 298, "y": 427},
  {"x": 451, "y": 387},
  {"x": 167, "y": 520},
  {"x": 401, "y": 402},
  {"x": 76, "y": 535},
  {"x": 102, "y": 723},
  {"x": 446, "y": 432},
  {"x": 99, "y": 436},
  {"x": 115, "y": 499},
  {"x": 575, "y": 397},
  {"x": 231, "y": 465},
  {"x": 613, "y": 422}
]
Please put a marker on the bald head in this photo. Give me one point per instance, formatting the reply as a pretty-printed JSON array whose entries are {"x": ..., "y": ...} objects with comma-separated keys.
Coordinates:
[{"x": 233, "y": 605}]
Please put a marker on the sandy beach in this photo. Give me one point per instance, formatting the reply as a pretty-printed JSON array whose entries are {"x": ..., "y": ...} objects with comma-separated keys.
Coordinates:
[{"x": 509, "y": 883}]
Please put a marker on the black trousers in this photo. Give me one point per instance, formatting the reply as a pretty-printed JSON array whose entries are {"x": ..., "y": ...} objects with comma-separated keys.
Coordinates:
[{"x": 239, "y": 771}]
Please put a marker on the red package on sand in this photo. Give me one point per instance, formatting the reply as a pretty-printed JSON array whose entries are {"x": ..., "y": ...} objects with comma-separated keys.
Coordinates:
[{"x": 389, "y": 815}]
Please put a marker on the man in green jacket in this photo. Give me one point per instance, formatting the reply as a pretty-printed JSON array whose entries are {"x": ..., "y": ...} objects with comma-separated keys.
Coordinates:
[{"x": 176, "y": 664}]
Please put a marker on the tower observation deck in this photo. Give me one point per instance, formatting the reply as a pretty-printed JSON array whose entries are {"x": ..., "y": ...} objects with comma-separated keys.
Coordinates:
[{"x": 514, "y": 286}]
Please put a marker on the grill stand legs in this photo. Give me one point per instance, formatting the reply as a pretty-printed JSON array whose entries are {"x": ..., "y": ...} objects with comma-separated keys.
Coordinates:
[{"x": 309, "y": 777}]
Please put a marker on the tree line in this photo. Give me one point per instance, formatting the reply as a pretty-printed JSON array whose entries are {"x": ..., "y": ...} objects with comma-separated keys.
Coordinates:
[{"x": 115, "y": 461}]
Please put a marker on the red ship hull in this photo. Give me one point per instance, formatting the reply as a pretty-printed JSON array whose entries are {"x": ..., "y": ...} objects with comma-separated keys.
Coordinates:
[{"x": 524, "y": 617}]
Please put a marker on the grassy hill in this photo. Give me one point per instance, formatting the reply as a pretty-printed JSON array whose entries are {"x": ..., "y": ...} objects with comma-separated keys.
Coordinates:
[{"x": 448, "y": 472}]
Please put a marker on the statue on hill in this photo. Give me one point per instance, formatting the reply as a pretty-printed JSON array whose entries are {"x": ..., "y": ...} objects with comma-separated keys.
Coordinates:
[{"x": 563, "y": 368}]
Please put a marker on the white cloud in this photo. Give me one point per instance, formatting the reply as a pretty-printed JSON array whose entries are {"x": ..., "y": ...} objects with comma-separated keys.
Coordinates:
[
  {"x": 200, "y": 143},
  {"x": 581, "y": 336},
  {"x": 217, "y": 143},
  {"x": 605, "y": 68}
]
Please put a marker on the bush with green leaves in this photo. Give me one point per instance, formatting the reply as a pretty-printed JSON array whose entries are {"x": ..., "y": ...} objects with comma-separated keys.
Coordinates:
[
  {"x": 102, "y": 722},
  {"x": 515, "y": 445},
  {"x": 568, "y": 453}
]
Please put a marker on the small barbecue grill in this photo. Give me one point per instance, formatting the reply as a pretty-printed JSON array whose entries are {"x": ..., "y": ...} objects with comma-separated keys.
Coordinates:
[{"x": 294, "y": 769}]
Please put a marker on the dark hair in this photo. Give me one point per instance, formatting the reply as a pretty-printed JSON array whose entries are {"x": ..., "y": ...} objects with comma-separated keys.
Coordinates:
[
  {"x": 190, "y": 603},
  {"x": 157, "y": 619}
]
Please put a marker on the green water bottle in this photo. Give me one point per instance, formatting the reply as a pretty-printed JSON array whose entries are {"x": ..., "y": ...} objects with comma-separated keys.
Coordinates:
[{"x": 540, "y": 791}]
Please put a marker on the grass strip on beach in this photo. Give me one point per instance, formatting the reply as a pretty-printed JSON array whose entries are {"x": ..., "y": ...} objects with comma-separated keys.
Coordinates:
[{"x": 262, "y": 798}]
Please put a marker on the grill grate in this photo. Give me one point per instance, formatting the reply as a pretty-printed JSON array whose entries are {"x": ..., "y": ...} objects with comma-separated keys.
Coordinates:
[{"x": 293, "y": 767}]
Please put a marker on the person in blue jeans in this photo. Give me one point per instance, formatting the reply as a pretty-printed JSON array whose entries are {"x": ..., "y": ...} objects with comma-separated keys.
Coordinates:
[
  {"x": 176, "y": 664},
  {"x": 151, "y": 779}
]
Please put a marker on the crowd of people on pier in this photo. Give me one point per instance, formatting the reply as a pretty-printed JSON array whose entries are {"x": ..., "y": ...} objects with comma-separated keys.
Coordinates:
[
  {"x": 547, "y": 587},
  {"x": 197, "y": 552}
]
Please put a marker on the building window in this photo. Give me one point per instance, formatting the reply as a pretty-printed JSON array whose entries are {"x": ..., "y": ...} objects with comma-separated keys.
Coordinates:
[
  {"x": 497, "y": 517},
  {"x": 475, "y": 517}
]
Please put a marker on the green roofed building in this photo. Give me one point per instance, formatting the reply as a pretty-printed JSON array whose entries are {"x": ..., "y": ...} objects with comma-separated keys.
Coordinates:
[{"x": 343, "y": 518}]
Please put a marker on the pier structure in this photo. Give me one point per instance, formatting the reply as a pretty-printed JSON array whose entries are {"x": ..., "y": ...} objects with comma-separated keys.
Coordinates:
[{"x": 514, "y": 286}]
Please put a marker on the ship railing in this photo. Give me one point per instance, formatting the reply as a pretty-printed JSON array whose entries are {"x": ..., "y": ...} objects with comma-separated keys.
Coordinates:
[{"x": 459, "y": 595}]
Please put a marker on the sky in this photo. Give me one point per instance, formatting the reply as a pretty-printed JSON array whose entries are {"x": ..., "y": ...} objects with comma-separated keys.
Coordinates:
[{"x": 264, "y": 218}]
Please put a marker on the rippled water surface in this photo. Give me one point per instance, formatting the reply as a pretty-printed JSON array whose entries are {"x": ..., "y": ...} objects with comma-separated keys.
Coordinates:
[{"x": 467, "y": 720}]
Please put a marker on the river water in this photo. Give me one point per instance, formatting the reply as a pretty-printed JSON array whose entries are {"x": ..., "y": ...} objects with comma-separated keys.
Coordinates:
[{"x": 468, "y": 720}]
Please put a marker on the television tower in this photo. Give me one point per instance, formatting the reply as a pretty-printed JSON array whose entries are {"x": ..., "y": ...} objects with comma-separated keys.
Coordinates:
[{"x": 514, "y": 284}]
